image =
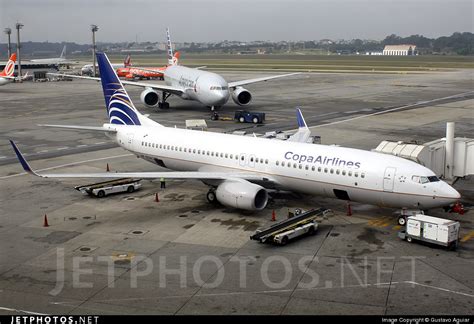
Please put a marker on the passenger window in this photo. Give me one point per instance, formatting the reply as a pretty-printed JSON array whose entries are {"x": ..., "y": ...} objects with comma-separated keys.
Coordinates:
[
  {"x": 185, "y": 150},
  {"x": 242, "y": 158},
  {"x": 313, "y": 168},
  {"x": 349, "y": 173},
  {"x": 289, "y": 164},
  {"x": 362, "y": 175},
  {"x": 251, "y": 159},
  {"x": 332, "y": 171},
  {"x": 356, "y": 174},
  {"x": 325, "y": 170},
  {"x": 343, "y": 172},
  {"x": 266, "y": 161},
  {"x": 222, "y": 154},
  {"x": 294, "y": 165},
  {"x": 337, "y": 171},
  {"x": 283, "y": 163},
  {"x": 300, "y": 166},
  {"x": 306, "y": 167},
  {"x": 277, "y": 163},
  {"x": 226, "y": 155},
  {"x": 199, "y": 151},
  {"x": 231, "y": 156},
  {"x": 319, "y": 169}
]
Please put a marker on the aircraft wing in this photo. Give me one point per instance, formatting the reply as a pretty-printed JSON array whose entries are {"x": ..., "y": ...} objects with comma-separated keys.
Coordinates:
[
  {"x": 160, "y": 87},
  {"x": 249, "y": 81},
  {"x": 205, "y": 175}
]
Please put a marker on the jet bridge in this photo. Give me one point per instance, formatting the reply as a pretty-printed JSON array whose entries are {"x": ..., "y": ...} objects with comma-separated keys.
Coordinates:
[{"x": 447, "y": 157}]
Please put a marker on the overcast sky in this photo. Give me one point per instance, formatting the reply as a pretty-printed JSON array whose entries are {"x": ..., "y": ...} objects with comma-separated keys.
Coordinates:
[{"x": 246, "y": 20}]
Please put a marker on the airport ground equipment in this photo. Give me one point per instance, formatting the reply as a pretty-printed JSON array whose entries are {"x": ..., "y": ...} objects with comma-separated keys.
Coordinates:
[
  {"x": 297, "y": 225},
  {"x": 430, "y": 229},
  {"x": 244, "y": 116},
  {"x": 405, "y": 213},
  {"x": 102, "y": 189}
]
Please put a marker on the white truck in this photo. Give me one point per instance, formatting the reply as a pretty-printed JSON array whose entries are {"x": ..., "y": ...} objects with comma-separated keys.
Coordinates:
[
  {"x": 103, "y": 189},
  {"x": 430, "y": 229}
]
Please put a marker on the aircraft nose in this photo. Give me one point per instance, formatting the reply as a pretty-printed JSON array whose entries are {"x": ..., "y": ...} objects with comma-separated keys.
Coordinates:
[
  {"x": 449, "y": 192},
  {"x": 221, "y": 97}
]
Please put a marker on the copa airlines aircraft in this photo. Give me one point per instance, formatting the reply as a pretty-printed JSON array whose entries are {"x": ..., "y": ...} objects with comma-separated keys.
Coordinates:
[
  {"x": 241, "y": 170},
  {"x": 208, "y": 88},
  {"x": 6, "y": 76}
]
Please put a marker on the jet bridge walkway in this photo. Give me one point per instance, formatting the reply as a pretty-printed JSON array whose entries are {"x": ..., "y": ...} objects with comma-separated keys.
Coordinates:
[{"x": 270, "y": 232}]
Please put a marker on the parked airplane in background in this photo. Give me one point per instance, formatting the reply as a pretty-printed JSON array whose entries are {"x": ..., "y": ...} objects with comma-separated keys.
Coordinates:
[
  {"x": 145, "y": 72},
  {"x": 54, "y": 61},
  {"x": 6, "y": 76},
  {"x": 242, "y": 170},
  {"x": 208, "y": 88},
  {"x": 89, "y": 70}
]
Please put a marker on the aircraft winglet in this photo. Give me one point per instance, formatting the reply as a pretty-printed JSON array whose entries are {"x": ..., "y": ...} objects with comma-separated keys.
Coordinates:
[
  {"x": 22, "y": 160},
  {"x": 300, "y": 118}
]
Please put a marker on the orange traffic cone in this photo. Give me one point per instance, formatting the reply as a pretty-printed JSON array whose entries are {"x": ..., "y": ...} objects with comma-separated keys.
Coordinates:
[
  {"x": 273, "y": 216},
  {"x": 45, "y": 222},
  {"x": 108, "y": 169},
  {"x": 349, "y": 209},
  {"x": 157, "y": 199}
]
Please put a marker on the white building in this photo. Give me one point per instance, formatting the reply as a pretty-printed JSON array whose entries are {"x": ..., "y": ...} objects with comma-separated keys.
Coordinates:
[{"x": 400, "y": 50}]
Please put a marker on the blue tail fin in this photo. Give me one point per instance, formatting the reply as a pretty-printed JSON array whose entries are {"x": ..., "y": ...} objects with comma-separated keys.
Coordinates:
[{"x": 120, "y": 108}]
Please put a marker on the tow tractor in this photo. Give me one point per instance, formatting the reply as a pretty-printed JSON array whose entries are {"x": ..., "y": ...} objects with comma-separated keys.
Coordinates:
[
  {"x": 299, "y": 224},
  {"x": 102, "y": 189}
]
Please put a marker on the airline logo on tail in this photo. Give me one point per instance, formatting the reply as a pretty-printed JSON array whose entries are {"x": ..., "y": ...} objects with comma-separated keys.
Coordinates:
[
  {"x": 128, "y": 61},
  {"x": 10, "y": 67},
  {"x": 172, "y": 59},
  {"x": 120, "y": 108}
]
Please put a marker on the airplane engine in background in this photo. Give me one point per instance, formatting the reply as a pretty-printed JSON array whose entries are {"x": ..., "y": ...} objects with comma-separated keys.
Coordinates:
[
  {"x": 242, "y": 195},
  {"x": 241, "y": 96},
  {"x": 150, "y": 98}
]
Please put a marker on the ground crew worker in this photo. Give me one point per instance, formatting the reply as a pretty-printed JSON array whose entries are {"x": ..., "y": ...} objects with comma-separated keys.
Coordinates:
[{"x": 163, "y": 183}]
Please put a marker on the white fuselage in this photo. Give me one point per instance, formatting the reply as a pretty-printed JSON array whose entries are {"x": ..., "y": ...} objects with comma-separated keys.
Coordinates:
[
  {"x": 4, "y": 81},
  {"x": 205, "y": 87},
  {"x": 330, "y": 171},
  {"x": 89, "y": 69}
]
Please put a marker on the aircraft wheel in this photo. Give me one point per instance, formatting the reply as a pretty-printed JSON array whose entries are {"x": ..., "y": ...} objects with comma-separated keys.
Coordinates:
[
  {"x": 211, "y": 197},
  {"x": 402, "y": 221}
]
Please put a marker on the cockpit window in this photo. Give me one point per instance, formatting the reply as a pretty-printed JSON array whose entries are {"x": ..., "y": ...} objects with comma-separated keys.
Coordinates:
[
  {"x": 421, "y": 179},
  {"x": 218, "y": 88}
]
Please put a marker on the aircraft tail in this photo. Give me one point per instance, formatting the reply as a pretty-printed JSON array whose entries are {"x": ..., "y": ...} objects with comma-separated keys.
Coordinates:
[
  {"x": 63, "y": 53},
  {"x": 128, "y": 61},
  {"x": 120, "y": 108},
  {"x": 172, "y": 60},
  {"x": 10, "y": 67}
]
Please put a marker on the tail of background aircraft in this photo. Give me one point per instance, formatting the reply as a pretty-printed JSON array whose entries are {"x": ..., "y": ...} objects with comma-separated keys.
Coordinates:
[
  {"x": 172, "y": 59},
  {"x": 10, "y": 67},
  {"x": 128, "y": 61},
  {"x": 63, "y": 53}
]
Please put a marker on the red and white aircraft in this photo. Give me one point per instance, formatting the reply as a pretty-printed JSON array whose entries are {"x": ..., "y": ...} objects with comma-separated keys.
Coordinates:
[{"x": 6, "y": 76}]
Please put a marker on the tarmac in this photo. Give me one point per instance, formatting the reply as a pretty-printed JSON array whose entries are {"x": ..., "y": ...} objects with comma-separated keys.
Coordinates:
[{"x": 129, "y": 254}]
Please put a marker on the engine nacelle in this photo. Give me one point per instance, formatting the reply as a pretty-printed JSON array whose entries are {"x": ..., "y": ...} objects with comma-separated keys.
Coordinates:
[
  {"x": 242, "y": 195},
  {"x": 150, "y": 98},
  {"x": 241, "y": 96}
]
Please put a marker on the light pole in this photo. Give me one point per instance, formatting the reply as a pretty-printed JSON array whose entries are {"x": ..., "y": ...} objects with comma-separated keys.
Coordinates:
[
  {"x": 18, "y": 46},
  {"x": 8, "y": 31},
  {"x": 94, "y": 28}
]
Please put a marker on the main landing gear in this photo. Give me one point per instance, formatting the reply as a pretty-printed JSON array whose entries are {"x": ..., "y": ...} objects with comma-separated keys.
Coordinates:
[
  {"x": 211, "y": 196},
  {"x": 163, "y": 104}
]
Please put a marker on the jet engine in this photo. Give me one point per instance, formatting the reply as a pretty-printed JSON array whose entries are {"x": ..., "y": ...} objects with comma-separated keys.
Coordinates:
[
  {"x": 150, "y": 98},
  {"x": 241, "y": 96},
  {"x": 242, "y": 195}
]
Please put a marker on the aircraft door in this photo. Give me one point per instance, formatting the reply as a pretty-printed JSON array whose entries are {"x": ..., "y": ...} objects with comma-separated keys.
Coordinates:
[{"x": 388, "y": 179}]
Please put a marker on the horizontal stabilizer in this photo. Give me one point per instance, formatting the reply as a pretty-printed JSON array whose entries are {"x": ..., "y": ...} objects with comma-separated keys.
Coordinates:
[{"x": 89, "y": 128}]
